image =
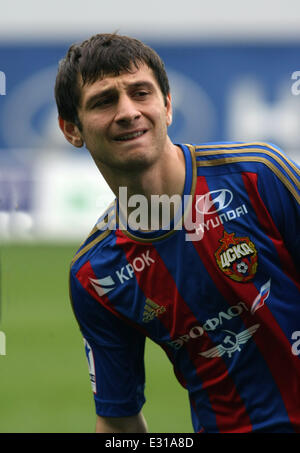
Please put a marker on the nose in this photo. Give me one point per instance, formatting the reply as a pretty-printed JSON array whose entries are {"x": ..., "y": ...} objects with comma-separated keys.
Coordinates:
[{"x": 127, "y": 110}]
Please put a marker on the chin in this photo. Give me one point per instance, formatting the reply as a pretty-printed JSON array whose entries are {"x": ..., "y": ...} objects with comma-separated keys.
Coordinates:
[
  {"x": 137, "y": 160},
  {"x": 137, "y": 163}
]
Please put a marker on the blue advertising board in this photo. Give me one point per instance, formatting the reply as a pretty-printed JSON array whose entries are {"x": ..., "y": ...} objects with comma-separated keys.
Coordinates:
[{"x": 220, "y": 92}]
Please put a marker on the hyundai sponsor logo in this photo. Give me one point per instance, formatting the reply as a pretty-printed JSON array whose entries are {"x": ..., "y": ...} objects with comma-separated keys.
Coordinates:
[{"x": 214, "y": 201}]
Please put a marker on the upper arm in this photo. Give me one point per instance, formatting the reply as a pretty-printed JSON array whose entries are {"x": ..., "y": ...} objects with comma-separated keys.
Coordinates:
[
  {"x": 279, "y": 188},
  {"x": 115, "y": 353}
]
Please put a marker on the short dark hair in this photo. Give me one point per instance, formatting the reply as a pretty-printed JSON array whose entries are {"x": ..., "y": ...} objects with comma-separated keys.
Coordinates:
[{"x": 96, "y": 57}]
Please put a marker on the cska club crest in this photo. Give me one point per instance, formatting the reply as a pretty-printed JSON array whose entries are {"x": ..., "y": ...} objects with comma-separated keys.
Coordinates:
[{"x": 237, "y": 257}]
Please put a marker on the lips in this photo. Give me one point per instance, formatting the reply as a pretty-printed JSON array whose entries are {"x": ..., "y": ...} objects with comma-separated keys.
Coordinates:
[{"x": 130, "y": 136}]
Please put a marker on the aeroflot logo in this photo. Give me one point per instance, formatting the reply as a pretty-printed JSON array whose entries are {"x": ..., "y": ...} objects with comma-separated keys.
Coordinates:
[
  {"x": 219, "y": 321},
  {"x": 105, "y": 285},
  {"x": 214, "y": 201}
]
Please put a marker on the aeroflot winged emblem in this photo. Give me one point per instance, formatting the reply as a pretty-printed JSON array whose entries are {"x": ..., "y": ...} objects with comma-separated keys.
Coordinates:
[
  {"x": 237, "y": 257},
  {"x": 231, "y": 343}
]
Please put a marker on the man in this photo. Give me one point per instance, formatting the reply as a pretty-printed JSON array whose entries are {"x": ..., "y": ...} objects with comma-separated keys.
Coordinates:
[{"x": 216, "y": 286}]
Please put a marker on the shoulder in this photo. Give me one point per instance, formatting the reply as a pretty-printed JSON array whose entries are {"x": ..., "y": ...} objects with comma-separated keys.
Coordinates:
[
  {"x": 259, "y": 157},
  {"x": 101, "y": 234},
  {"x": 228, "y": 152},
  {"x": 94, "y": 254}
]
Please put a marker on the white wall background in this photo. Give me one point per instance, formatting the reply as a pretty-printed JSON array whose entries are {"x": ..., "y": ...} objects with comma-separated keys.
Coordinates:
[{"x": 158, "y": 19}]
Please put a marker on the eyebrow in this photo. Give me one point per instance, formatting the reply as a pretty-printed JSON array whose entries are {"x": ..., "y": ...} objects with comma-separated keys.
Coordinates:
[{"x": 109, "y": 91}]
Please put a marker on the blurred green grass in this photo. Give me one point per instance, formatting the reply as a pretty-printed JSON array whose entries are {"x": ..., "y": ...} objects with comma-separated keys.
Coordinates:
[{"x": 44, "y": 384}]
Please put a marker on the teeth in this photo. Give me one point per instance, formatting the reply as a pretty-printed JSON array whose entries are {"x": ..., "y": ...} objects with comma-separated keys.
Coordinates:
[{"x": 129, "y": 136}]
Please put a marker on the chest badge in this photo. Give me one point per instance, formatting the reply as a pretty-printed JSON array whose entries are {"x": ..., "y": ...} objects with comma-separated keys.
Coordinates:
[{"x": 237, "y": 257}]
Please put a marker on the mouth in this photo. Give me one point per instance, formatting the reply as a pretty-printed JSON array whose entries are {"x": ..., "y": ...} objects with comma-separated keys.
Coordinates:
[{"x": 130, "y": 136}]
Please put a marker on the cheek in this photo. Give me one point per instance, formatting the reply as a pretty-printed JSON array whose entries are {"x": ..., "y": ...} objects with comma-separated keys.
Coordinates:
[{"x": 92, "y": 130}]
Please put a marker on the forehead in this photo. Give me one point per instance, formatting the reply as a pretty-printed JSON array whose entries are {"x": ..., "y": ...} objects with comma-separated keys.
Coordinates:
[{"x": 122, "y": 81}]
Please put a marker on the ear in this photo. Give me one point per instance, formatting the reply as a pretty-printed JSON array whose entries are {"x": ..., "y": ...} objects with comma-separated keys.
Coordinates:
[
  {"x": 169, "y": 110},
  {"x": 71, "y": 132}
]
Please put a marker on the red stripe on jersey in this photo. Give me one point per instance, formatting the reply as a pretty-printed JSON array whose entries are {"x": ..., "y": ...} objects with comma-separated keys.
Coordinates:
[
  {"x": 275, "y": 353},
  {"x": 269, "y": 227},
  {"x": 178, "y": 320},
  {"x": 84, "y": 275}
]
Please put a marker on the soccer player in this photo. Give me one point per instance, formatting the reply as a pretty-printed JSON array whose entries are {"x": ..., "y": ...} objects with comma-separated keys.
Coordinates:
[{"x": 217, "y": 286}]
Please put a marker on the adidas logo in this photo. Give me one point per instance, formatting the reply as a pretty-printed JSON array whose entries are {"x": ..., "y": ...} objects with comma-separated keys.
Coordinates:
[{"x": 152, "y": 310}]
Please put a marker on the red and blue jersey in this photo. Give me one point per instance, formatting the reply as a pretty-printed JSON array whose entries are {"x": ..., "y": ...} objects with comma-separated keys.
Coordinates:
[{"x": 220, "y": 295}]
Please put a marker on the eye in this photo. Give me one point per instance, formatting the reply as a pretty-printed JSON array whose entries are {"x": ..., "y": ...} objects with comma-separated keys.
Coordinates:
[
  {"x": 142, "y": 94},
  {"x": 103, "y": 102}
]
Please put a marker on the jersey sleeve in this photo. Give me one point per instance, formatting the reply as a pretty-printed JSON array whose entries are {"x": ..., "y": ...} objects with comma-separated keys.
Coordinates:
[
  {"x": 279, "y": 188},
  {"x": 115, "y": 353}
]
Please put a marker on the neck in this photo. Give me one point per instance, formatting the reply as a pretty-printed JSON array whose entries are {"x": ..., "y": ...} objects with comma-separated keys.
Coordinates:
[{"x": 165, "y": 177}]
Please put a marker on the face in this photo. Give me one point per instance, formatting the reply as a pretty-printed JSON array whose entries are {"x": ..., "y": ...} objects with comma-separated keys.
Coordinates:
[{"x": 124, "y": 120}]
